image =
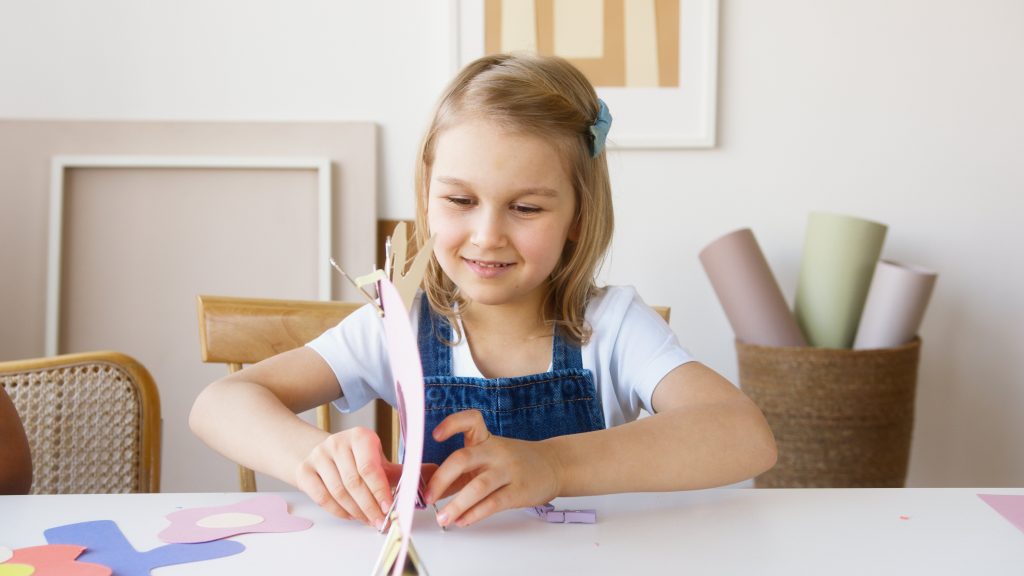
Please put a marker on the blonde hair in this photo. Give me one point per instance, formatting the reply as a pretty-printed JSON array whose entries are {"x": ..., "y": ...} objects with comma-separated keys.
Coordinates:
[{"x": 547, "y": 97}]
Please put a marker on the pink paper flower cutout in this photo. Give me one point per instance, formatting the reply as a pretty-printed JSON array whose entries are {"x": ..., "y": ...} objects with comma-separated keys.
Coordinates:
[
  {"x": 267, "y": 513},
  {"x": 52, "y": 560}
]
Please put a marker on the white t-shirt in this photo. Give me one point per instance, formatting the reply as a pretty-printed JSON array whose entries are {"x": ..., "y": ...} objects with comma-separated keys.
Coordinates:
[{"x": 631, "y": 349}]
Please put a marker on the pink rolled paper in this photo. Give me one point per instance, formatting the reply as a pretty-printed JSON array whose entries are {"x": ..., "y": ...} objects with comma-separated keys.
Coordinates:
[
  {"x": 747, "y": 290},
  {"x": 895, "y": 305}
]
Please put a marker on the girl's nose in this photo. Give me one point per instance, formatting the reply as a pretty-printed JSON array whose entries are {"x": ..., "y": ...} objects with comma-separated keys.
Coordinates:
[{"x": 488, "y": 230}]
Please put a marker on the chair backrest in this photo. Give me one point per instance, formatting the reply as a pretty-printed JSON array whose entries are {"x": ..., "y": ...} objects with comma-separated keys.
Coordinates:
[
  {"x": 92, "y": 421},
  {"x": 664, "y": 311},
  {"x": 237, "y": 331}
]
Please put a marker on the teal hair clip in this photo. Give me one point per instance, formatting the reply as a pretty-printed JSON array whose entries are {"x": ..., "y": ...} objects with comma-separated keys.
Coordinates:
[{"x": 599, "y": 130}]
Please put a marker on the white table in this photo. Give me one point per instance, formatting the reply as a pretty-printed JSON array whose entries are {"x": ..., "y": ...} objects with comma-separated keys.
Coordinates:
[{"x": 727, "y": 531}]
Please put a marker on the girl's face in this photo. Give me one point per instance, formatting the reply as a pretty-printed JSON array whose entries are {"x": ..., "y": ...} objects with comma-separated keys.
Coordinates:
[{"x": 501, "y": 205}]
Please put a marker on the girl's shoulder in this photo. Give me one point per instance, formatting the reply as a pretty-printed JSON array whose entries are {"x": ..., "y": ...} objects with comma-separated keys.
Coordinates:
[
  {"x": 617, "y": 304},
  {"x": 610, "y": 298}
]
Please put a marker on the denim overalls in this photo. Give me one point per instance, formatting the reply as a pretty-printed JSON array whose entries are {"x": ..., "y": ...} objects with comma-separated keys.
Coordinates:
[{"x": 534, "y": 407}]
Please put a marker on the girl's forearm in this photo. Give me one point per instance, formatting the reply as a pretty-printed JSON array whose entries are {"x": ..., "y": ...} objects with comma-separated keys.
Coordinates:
[
  {"x": 246, "y": 423},
  {"x": 681, "y": 449}
]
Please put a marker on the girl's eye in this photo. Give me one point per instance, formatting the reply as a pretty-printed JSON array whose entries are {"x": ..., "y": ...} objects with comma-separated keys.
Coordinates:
[
  {"x": 459, "y": 201},
  {"x": 525, "y": 209}
]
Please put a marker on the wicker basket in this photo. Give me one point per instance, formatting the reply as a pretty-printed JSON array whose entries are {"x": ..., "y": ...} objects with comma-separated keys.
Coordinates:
[{"x": 841, "y": 418}]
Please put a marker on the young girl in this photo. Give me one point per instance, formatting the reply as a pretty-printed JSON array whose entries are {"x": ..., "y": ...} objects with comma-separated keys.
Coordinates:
[{"x": 534, "y": 376}]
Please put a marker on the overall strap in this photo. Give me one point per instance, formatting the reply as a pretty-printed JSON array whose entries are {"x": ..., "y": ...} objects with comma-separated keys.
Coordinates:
[
  {"x": 565, "y": 355},
  {"x": 435, "y": 356}
]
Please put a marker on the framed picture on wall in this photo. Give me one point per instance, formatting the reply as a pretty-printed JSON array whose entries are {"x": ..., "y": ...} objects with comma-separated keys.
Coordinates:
[{"x": 654, "y": 62}]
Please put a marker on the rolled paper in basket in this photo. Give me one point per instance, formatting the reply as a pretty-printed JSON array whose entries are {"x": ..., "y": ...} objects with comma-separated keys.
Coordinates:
[
  {"x": 840, "y": 253},
  {"x": 748, "y": 292},
  {"x": 895, "y": 306}
]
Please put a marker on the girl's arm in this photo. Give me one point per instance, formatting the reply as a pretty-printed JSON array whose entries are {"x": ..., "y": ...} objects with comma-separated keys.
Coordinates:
[
  {"x": 250, "y": 417},
  {"x": 15, "y": 458},
  {"x": 705, "y": 433}
]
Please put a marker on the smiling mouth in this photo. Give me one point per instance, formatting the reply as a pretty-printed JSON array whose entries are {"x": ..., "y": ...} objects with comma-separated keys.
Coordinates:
[{"x": 483, "y": 264}]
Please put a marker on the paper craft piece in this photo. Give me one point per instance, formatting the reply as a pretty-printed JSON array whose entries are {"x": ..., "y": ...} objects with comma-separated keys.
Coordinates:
[
  {"x": 1010, "y": 506},
  {"x": 5, "y": 554},
  {"x": 51, "y": 560},
  {"x": 548, "y": 513},
  {"x": 105, "y": 544},
  {"x": 840, "y": 253},
  {"x": 748, "y": 292},
  {"x": 266, "y": 513},
  {"x": 407, "y": 279},
  {"x": 389, "y": 556},
  {"x": 895, "y": 306},
  {"x": 407, "y": 372},
  {"x": 17, "y": 570}
]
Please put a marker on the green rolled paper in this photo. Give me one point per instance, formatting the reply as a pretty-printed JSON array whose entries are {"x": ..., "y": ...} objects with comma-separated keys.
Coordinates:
[{"x": 840, "y": 253}]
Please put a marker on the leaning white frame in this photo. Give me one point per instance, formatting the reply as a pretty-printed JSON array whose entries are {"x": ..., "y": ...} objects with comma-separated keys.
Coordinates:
[
  {"x": 467, "y": 44},
  {"x": 59, "y": 164}
]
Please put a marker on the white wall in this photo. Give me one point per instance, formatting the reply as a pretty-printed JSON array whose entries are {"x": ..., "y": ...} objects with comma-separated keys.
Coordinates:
[{"x": 903, "y": 111}]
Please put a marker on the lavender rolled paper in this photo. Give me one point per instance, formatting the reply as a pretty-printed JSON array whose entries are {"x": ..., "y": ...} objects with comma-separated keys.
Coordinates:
[
  {"x": 896, "y": 303},
  {"x": 748, "y": 292}
]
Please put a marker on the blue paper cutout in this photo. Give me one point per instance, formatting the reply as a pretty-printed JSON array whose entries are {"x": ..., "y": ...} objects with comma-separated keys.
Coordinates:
[{"x": 105, "y": 544}]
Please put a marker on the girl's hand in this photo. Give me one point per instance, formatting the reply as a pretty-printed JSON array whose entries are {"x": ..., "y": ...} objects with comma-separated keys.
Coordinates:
[
  {"x": 490, "y": 473},
  {"x": 348, "y": 476}
]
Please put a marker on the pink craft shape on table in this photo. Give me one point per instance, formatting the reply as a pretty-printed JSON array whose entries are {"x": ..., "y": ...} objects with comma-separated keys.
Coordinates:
[
  {"x": 50, "y": 560},
  {"x": 1010, "y": 506},
  {"x": 403, "y": 355},
  {"x": 265, "y": 513}
]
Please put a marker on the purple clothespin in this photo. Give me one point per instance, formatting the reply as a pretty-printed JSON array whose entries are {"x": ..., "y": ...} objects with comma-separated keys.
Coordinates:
[{"x": 547, "y": 513}]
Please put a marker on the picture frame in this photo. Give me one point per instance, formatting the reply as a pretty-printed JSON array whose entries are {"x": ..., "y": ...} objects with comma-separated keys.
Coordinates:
[
  {"x": 678, "y": 117},
  {"x": 60, "y": 164}
]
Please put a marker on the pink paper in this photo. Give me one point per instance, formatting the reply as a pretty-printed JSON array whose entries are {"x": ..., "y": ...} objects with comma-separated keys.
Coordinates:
[
  {"x": 186, "y": 525},
  {"x": 1011, "y": 506},
  {"x": 896, "y": 303},
  {"x": 748, "y": 292},
  {"x": 408, "y": 374}
]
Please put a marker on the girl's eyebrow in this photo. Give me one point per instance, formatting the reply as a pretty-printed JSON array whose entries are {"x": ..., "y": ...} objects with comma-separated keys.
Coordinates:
[{"x": 534, "y": 190}]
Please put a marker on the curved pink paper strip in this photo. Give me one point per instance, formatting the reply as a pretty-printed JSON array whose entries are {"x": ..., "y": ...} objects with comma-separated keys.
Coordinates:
[
  {"x": 272, "y": 508},
  {"x": 407, "y": 371}
]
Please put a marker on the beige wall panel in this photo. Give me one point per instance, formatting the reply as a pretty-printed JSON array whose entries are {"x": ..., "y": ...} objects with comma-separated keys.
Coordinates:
[{"x": 139, "y": 244}]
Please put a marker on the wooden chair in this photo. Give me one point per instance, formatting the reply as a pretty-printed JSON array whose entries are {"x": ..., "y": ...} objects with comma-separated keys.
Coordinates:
[
  {"x": 664, "y": 311},
  {"x": 92, "y": 421},
  {"x": 238, "y": 331}
]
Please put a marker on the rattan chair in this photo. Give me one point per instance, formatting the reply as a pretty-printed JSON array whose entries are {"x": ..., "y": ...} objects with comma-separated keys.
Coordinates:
[
  {"x": 92, "y": 421},
  {"x": 238, "y": 331}
]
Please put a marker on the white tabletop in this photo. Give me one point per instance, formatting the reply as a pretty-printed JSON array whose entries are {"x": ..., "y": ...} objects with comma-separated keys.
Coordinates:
[{"x": 727, "y": 531}]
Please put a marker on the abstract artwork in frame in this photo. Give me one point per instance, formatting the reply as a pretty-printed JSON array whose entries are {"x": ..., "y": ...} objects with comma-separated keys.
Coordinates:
[{"x": 653, "y": 61}]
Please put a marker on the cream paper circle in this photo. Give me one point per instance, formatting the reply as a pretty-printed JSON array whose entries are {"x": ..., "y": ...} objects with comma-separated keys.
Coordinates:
[
  {"x": 5, "y": 554},
  {"x": 229, "y": 520}
]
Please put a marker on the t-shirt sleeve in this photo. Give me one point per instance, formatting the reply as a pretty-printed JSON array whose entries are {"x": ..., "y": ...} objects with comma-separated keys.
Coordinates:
[
  {"x": 356, "y": 351},
  {"x": 645, "y": 350}
]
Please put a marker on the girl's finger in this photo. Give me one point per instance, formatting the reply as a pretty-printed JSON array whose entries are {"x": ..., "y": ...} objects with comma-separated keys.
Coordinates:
[
  {"x": 354, "y": 490},
  {"x": 470, "y": 423},
  {"x": 451, "y": 470},
  {"x": 369, "y": 461},
  {"x": 311, "y": 483},
  {"x": 475, "y": 494},
  {"x": 494, "y": 502}
]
